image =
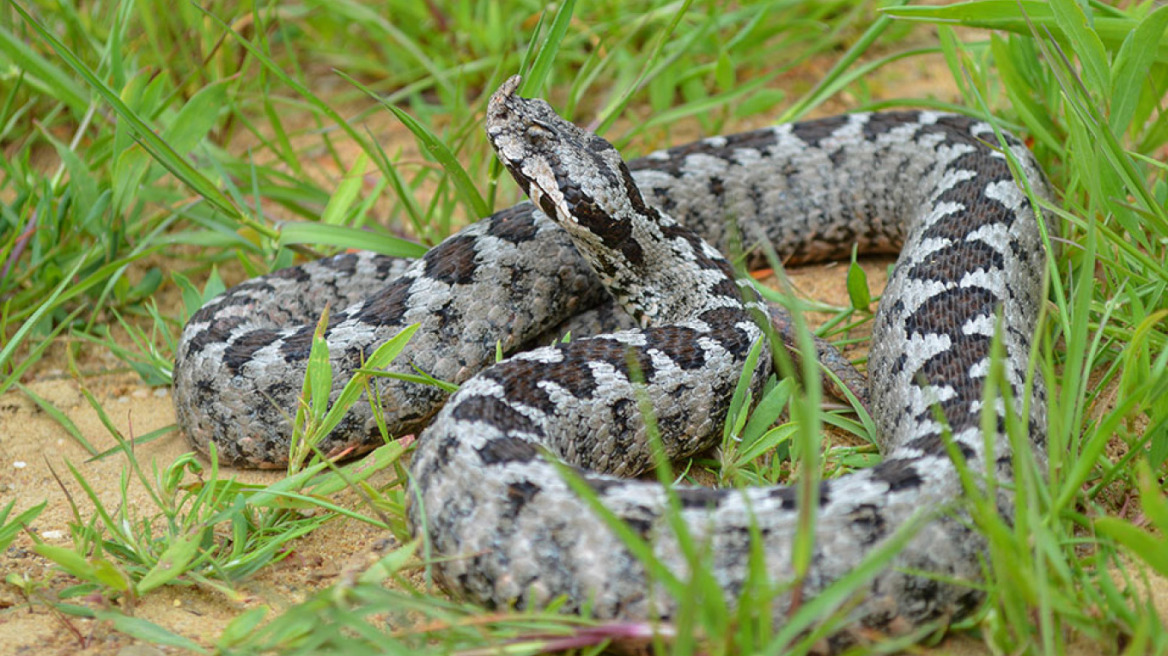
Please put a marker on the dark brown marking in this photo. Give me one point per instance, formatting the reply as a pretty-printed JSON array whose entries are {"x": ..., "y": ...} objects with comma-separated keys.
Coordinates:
[
  {"x": 813, "y": 132},
  {"x": 615, "y": 234},
  {"x": 518, "y": 495},
  {"x": 514, "y": 224},
  {"x": 297, "y": 346},
  {"x": 898, "y": 474},
  {"x": 700, "y": 497},
  {"x": 243, "y": 349},
  {"x": 507, "y": 449},
  {"x": 869, "y": 519},
  {"x": 789, "y": 496},
  {"x": 388, "y": 306},
  {"x": 882, "y": 123},
  {"x": 497, "y": 412},
  {"x": 453, "y": 261},
  {"x": 951, "y": 263},
  {"x": 679, "y": 344},
  {"x": 294, "y": 273}
]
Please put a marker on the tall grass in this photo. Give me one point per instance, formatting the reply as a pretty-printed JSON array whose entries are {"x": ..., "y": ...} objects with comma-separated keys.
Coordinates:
[{"x": 123, "y": 176}]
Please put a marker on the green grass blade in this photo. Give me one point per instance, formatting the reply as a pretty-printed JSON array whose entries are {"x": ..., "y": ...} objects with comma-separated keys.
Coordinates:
[
  {"x": 155, "y": 145},
  {"x": 59, "y": 417},
  {"x": 431, "y": 144},
  {"x": 22, "y": 333},
  {"x": 1135, "y": 58},
  {"x": 148, "y": 631},
  {"x": 346, "y": 237},
  {"x": 41, "y": 73},
  {"x": 9, "y": 530},
  {"x": 533, "y": 79}
]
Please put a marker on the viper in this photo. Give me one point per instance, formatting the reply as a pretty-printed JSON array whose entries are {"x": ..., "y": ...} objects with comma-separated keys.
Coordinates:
[{"x": 603, "y": 238}]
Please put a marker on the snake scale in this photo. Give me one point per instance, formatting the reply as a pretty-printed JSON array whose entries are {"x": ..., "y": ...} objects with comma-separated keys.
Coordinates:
[{"x": 485, "y": 492}]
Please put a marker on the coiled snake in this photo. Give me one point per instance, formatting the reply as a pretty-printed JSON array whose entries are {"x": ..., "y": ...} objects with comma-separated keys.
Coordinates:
[{"x": 489, "y": 499}]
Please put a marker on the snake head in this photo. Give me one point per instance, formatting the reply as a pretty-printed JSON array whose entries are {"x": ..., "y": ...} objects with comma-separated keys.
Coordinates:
[{"x": 577, "y": 178}]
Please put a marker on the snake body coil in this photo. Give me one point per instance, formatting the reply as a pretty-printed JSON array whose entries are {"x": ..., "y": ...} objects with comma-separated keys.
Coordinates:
[{"x": 510, "y": 529}]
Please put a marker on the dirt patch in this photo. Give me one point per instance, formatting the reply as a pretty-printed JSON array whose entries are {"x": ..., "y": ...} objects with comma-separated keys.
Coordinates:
[{"x": 35, "y": 452}]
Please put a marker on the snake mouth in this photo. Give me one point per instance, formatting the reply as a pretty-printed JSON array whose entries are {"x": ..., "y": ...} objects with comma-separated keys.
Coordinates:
[{"x": 515, "y": 126}]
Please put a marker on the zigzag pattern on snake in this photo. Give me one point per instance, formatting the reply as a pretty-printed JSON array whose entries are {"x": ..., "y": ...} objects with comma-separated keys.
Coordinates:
[{"x": 510, "y": 530}]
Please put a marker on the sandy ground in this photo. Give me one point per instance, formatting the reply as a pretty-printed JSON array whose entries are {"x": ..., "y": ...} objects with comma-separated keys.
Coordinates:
[{"x": 33, "y": 446}]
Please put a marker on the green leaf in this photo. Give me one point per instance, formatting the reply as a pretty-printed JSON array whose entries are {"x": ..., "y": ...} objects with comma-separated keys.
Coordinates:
[
  {"x": 346, "y": 193},
  {"x": 534, "y": 79},
  {"x": 68, "y": 560},
  {"x": 242, "y": 627},
  {"x": 373, "y": 18},
  {"x": 41, "y": 73},
  {"x": 74, "y": 610},
  {"x": 196, "y": 118},
  {"x": 148, "y": 631},
  {"x": 9, "y": 531},
  {"x": 157, "y": 147},
  {"x": 320, "y": 370},
  {"x": 724, "y": 71},
  {"x": 433, "y": 145},
  {"x": 145, "y": 286},
  {"x": 707, "y": 105},
  {"x": 192, "y": 297},
  {"x": 106, "y": 573},
  {"x": 1086, "y": 44},
  {"x": 130, "y": 168},
  {"x": 1152, "y": 500},
  {"x": 81, "y": 182},
  {"x": 858, "y": 287},
  {"x": 1037, "y": 119},
  {"x": 34, "y": 353},
  {"x": 380, "y": 359},
  {"x": 346, "y": 237},
  {"x": 759, "y": 102},
  {"x": 1135, "y": 58},
  {"x": 391, "y": 563},
  {"x": 766, "y": 412},
  {"x": 739, "y": 400},
  {"x": 60, "y": 417},
  {"x": 778, "y": 439},
  {"x": 331, "y": 482},
  {"x": 1021, "y": 17},
  {"x": 172, "y": 563},
  {"x": 1143, "y": 544}
]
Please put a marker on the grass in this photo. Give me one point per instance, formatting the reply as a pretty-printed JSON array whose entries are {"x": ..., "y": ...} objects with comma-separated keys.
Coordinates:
[{"x": 122, "y": 124}]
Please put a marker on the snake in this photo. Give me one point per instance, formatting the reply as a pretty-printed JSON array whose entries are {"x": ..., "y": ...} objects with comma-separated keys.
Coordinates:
[{"x": 512, "y": 469}]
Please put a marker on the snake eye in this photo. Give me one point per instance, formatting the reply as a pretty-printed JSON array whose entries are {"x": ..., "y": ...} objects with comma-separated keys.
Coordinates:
[{"x": 538, "y": 130}]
